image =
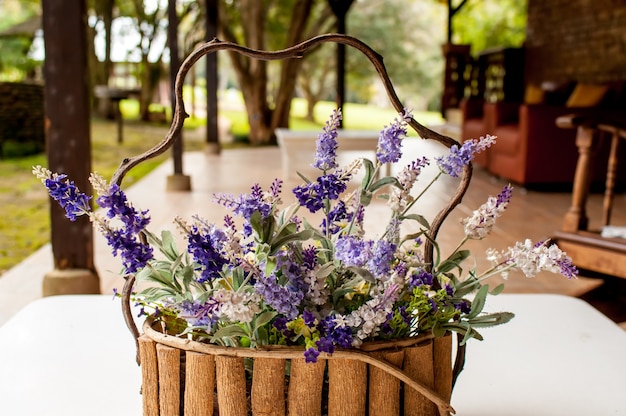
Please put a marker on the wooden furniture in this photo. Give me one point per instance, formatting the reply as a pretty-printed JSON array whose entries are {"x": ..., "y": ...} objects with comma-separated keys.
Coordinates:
[
  {"x": 72, "y": 355},
  {"x": 589, "y": 249},
  {"x": 297, "y": 147},
  {"x": 528, "y": 143}
]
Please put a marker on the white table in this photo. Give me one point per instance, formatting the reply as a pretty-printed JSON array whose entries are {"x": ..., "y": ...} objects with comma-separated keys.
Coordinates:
[
  {"x": 72, "y": 355},
  {"x": 69, "y": 355},
  {"x": 558, "y": 356},
  {"x": 297, "y": 147}
]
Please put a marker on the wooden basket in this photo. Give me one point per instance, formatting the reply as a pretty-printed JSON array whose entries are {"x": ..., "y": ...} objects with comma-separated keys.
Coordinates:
[
  {"x": 182, "y": 377},
  {"x": 410, "y": 377}
]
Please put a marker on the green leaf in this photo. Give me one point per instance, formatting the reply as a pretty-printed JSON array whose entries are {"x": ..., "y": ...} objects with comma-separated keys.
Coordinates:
[
  {"x": 304, "y": 178},
  {"x": 369, "y": 173},
  {"x": 169, "y": 245},
  {"x": 288, "y": 238},
  {"x": 338, "y": 294},
  {"x": 453, "y": 261},
  {"x": 364, "y": 273},
  {"x": 497, "y": 290},
  {"x": 492, "y": 319},
  {"x": 479, "y": 302},
  {"x": 387, "y": 180},
  {"x": 229, "y": 331},
  {"x": 419, "y": 218},
  {"x": 262, "y": 319}
]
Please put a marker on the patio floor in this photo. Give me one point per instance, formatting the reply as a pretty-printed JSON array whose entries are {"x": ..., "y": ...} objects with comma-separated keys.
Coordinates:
[{"x": 531, "y": 214}]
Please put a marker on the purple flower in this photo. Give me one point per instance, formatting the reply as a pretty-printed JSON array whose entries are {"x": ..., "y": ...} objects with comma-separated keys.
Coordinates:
[
  {"x": 459, "y": 157},
  {"x": 390, "y": 139},
  {"x": 205, "y": 245},
  {"x": 312, "y": 195},
  {"x": 309, "y": 258},
  {"x": 309, "y": 318},
  {"x": 382, "y": 257},
  {"x": 135, "y": 255},
  {"x": 339, "y": 335},
  {"x": 352, "y": 251},
  {"x": 420, "y": 278},
  {"x": 247, "y": 204},
  {"x": 198, "y": 313},
  {"x": 336, "y": 215},
  {"x": 117, "y": 206},
  {"x": 325, "y": 345},
  {"x": 310, "y": 355},
  {"x": 326, "y": 145},
  {"x": 68, "y": 196},
  {"x": 284, "y": 299}
]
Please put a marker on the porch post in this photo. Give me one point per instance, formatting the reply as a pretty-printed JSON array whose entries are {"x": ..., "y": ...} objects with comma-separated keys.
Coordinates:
[
  {"x": 68, "y": 144},
  {"x": 178, "y": 181},
  {"x": 212, "y": 138}
]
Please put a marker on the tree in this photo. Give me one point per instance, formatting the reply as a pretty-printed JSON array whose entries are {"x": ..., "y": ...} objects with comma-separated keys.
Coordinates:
[
  {"x": 490, "y": 23},
  {"x": 271, "y": 24},
  {"x": 411, "y": 52},
  {"x": 19, "y": 20}
]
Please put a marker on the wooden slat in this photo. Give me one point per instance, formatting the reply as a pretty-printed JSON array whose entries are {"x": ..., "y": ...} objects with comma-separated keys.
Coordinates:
[
  {"x": 442, "y": 359},
  {"x": 169, "y": 379},
  {"x": 149, "y": 376},
  {"x": 384, "y": 389},
  {"x": 418, "y": 364},
  {"x": 268, "y": 387},
  {"x": 347, "y": 387},
  {"x": 199, "y": 384},
  {"x": 306, "y": 381},
  {"x": 230, "y": 375}
]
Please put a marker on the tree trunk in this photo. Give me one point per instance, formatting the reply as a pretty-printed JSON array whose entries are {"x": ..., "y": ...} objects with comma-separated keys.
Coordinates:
[{"x": 290, "y": 67}]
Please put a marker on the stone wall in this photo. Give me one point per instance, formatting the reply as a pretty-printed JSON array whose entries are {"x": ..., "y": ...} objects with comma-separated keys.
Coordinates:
[
  {"x": 576, "y": 40},
  {"x": 22, "y": 115}
]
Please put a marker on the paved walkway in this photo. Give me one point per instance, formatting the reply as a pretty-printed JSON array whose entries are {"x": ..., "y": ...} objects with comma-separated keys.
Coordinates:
[{"x": 234, "y": 171}]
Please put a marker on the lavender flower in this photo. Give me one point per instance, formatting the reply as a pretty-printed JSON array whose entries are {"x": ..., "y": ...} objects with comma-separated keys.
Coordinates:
[
  {"x": 134, "y": 253},
  {"x": 533, "y": 258},
  {"x": 206, "y": 246},
  {"x": 117, "y": 205},
  {"x": 352, "y": 251},
  {"x": 459, "y": 157},
  {"x": 482, "y": 221},
  {"x": 285, "y": 300},
  {"x": 65, "y": 192},
  {"x": 383, "y": 254},
  {"x": 390, "y": 139},
  {"x": 327, "y": 187},
  {"x": 247, "y": 204},
  {"x": 400, "y": 198},
  {"x": 326, "y": 145}
]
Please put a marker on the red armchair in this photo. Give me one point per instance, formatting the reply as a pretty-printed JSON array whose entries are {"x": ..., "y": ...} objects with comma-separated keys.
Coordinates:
[{"x": 530, "y": 149}]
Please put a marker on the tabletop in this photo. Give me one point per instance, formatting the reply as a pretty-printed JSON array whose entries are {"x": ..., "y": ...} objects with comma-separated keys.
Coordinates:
[{"x": 72, "y": 355}]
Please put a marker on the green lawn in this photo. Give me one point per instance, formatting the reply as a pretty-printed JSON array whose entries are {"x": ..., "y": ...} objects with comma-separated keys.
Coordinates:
[{"x": 25, "y": 223}]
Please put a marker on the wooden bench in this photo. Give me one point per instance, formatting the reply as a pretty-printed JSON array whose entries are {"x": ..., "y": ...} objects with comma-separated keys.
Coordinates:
[
  {"x": 591, "y": 249},
  {"x": 299, "y": 145}
]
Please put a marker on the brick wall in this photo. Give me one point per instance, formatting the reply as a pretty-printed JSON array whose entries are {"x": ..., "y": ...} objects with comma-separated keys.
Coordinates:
[
  {"x": 22, "y": 114},
  {"x": 576, "y": 40}
]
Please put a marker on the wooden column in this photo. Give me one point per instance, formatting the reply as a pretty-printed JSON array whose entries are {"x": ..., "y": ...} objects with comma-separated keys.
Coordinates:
[
  {"x": 177, "y": 181},
  {"x": 212, "y": 133},
  {"x": 340, "y": 8},
  {"x": 67, "y": 112}
]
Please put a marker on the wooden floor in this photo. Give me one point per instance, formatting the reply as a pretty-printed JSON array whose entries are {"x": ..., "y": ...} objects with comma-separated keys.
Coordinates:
[{"x": 531, "y": 214}]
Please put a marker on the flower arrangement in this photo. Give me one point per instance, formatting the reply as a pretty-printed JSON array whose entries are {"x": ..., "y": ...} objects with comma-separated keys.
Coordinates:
[{"x": 268, "y": 276}]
